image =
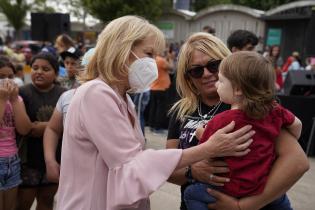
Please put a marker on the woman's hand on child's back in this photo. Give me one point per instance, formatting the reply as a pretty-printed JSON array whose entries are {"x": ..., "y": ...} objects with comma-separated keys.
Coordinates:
[{"x": 224, "y": 142}]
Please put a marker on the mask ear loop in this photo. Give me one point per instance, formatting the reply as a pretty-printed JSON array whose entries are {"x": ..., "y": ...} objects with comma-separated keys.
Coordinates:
[
  {"x": 131, "y": 90},
  {"x": 134, "y": 54}
]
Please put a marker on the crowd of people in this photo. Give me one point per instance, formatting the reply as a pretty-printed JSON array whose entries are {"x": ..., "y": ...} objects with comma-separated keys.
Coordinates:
[
  {"x": 30, "y": 158},
  {"x": 78, "y": 127}
]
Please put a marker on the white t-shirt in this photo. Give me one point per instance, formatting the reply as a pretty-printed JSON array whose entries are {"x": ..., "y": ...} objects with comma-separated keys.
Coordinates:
[{"x": 63, "y": 103}]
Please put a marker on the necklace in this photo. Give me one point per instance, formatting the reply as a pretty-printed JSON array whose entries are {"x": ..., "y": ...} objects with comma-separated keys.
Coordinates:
[
  {"x": 208, "y": 116},
  {"x": 205, "y": 118}
]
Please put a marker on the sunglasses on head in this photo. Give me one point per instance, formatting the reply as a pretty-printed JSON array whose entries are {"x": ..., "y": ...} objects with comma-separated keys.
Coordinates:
[{"x": 197, "y": 72}]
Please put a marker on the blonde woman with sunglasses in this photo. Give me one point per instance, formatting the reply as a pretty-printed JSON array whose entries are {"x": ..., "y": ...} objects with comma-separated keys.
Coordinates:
[{"x": 197, "y": 74}]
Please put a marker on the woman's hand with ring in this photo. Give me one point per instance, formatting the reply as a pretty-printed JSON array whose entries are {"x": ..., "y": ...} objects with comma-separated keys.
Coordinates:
[{"x": 201, "y": 171}]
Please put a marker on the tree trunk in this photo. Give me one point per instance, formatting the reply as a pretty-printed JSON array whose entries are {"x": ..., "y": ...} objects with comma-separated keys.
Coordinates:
[{"x": 18, "y": 35}]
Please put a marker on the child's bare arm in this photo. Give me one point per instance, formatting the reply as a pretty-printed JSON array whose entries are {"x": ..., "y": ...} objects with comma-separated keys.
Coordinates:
[
  {"x": 295, "y": 128},
  {"x": 22, "y": 121},
  {"x": 4, "y": 95},
  {"x": 2, "y": 108}
]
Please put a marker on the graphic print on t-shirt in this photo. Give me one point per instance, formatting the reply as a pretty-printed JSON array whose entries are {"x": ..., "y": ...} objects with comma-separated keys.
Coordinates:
[
  {"x": 187, "y": 136},
  {"x": 44, "y": 113},
  {"x": 7, "y": 130},
  {"x": 8, "y": 118}
]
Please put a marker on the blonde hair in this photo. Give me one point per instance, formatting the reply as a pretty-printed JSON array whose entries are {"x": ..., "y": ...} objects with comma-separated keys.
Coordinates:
[
  {"x": 253, "y": 74},
  {"x": 207, "y": 44},
  {"x": 114, "y": 45}
]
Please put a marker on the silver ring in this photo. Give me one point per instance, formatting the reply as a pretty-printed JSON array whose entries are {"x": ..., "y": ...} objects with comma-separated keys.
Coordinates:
[{"x": 211, "y": 176}]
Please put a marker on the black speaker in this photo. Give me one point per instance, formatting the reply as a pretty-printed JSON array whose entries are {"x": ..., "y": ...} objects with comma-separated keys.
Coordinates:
[
  {"x": 299, "y": 82},
  {"x": 310, "y": 33},
  {"x": 38, "y": 26},
  {"x": 303, "y": 108},
  {"x": 47, "y": 26}
]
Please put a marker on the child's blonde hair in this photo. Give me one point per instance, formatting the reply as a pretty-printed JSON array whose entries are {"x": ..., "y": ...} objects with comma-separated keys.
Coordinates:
[{"x": 253, "y": 74}]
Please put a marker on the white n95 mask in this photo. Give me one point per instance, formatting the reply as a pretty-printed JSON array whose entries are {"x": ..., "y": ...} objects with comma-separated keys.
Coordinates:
[{"x": 142, "y": 73}]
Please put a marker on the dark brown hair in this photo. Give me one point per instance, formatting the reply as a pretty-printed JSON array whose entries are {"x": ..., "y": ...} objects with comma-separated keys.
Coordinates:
[
  {"x": 52, "y": 60},
  {"x": 5, "y": 62},
  {"x": 253, "y": 74}
]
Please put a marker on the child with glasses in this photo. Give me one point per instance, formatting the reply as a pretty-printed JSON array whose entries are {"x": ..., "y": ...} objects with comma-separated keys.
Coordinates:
[{"x": 246, "y": 82}]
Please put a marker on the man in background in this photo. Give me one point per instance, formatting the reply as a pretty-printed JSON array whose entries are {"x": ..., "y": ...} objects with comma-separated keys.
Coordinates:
[{"x": 242, "y": 40}]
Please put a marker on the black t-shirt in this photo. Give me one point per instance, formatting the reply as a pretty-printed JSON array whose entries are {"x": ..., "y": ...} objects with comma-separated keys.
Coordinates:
[
  {"x": 184, "y": 131},
  {"x": 39, "y": 107}
]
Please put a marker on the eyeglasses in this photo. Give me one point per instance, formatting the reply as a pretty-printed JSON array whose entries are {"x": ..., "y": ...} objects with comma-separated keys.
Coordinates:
[{"x": 197, "y": 72}]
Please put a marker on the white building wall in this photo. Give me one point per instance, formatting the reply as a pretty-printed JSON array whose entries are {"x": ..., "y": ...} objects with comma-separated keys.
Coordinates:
[
  {"x": 181, "y": 26},
  {"x": 227, "y": 21},
  {"x": 224, "y": 22}
]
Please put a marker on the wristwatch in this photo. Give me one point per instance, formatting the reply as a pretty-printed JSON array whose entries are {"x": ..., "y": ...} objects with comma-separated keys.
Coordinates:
[{"x": 188, "y": 175}]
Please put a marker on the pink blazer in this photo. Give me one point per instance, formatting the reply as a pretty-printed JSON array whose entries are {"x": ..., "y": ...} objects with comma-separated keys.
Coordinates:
[{"x": 104, "y": 165}]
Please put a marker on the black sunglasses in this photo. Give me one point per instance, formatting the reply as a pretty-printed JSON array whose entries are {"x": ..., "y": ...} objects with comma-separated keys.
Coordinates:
[{"x": 197, "y": 72}]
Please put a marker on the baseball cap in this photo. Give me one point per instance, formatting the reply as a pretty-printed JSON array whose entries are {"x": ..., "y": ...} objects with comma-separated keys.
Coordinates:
[{"x": 71, "y": 52}]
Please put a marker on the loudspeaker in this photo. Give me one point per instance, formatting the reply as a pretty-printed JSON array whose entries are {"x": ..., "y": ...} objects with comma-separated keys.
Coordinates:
[
  {"x": 38, "y": 25},
  {"x": 299, "y": 82},
  {"x": 47, "y": 26},
  {"x": 303, "y": 108},
  {"x": 310, "y": 34}
]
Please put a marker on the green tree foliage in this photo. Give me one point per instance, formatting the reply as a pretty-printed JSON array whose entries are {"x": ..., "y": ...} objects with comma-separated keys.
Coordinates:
[
  {"x": 202, "y": 4},
  {"x": 41, "y": 6},
  {"x": 106, "y": 10},
  {"x": 74, "y": 7},
  {"x": 262, "y": 5},
  {"x": 15, "y": 12},
  {"x": 167, "y": 4}
]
